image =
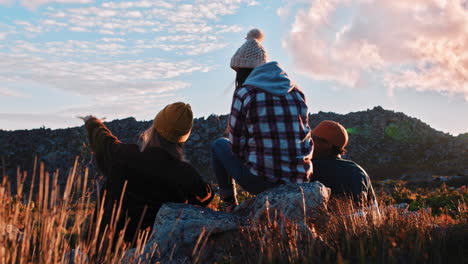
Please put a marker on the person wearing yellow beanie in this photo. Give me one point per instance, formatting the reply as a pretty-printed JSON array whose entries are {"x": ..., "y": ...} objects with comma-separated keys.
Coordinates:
[
  {"x": 345, "y": 178},
  {"x": 154, "y": 169}
]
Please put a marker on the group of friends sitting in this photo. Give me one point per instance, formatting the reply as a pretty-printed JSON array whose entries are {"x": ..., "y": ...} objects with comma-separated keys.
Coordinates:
[{"x": 270, "y": 143}]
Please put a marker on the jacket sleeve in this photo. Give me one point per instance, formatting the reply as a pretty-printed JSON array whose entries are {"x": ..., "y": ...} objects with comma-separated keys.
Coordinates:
[
  {"x": 202, "y": 196},
  {"x": 237, "y": 125},
  {"x": 107, "y": 148}
]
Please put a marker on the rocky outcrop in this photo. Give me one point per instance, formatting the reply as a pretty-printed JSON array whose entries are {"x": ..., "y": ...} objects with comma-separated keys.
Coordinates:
[
  {"x": 387, "y": 144},
  {"x": 183, "y": 233}
]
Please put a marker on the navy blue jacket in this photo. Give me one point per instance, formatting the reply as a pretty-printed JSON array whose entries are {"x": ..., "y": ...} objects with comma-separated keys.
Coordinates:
[{"x": 344, "y": 178}]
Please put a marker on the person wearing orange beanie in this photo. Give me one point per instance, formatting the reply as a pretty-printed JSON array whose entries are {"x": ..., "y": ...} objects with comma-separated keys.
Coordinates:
[
  {"x": 155, "y": 169},
  {"x": 343, "y": 177}
]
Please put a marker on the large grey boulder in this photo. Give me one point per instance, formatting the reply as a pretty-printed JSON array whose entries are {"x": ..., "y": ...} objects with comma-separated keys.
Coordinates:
[
  {"x": 293, "y": 201},
  {"x": 184, "y": 233}
]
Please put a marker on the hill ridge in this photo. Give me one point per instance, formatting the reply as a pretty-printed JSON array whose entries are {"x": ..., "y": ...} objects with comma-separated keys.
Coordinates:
[{"x": 386, "y": 143}]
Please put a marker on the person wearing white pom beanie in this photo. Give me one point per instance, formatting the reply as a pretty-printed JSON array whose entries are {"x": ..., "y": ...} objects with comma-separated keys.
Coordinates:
[{"x": 269, "y": 141}]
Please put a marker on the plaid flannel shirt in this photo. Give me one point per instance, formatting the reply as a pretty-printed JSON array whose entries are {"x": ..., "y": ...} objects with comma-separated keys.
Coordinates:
[{"x": 270, "y": 133}]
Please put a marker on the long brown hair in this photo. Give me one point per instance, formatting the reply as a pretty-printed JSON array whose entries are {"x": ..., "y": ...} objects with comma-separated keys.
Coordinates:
[
  {"x": 151, "y": 138},
  {"x": 241, "y": 76}
]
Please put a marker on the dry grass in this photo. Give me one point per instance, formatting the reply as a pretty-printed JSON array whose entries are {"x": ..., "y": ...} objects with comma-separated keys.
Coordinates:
[
  {"x": 343, "y": 234},
  {"x": 57, "y": 225},
  {"x": 63, "y": 226}
]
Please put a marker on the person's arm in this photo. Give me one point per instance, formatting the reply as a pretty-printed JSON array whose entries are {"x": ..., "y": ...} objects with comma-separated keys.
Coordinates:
[
  {"x": 107, "y": 147},
  {"x": 237, "y": 126}
]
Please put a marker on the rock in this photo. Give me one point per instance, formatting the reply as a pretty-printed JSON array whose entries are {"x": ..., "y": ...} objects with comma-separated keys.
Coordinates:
[
  {"x": 181, "y": 230},
  {"x": 178, "y": 228},
  {"x": 294, "y": 201}
]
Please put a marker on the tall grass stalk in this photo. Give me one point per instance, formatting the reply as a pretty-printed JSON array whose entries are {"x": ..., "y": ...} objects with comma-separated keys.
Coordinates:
[{"x": 55, "y": 225}]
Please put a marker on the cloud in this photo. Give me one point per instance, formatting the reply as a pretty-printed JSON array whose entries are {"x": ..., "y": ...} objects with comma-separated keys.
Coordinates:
[
  {"x": 115, "y": 89},
  {"x": 6, "y": 2},
  {"x": 74, "y": 49},
  {"x": 144, "y": 24},
  {"x": 33, "y": 4},
  {"x": 10, "y": 93},
  {"x": 98, "y": 78},
  {"x": 149, "y": 16},
  {"x": 421, "y": 44},
  {"x": 188, "y": 44}
]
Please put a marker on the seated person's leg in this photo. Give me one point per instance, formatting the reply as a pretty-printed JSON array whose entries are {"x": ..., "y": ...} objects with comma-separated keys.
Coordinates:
[{"x": 227, "y": 166}]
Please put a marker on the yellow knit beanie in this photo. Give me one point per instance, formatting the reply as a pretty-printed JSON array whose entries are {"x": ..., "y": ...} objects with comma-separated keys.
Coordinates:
[{"x": 174, "y": 122}]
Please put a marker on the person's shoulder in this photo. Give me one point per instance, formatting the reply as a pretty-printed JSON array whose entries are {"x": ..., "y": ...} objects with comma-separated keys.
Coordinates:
[
  {"x": 353, "y": 165},
  {"x": 244, "y": 91}
]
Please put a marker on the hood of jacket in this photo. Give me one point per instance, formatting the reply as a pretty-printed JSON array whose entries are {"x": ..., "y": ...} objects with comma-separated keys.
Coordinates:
[{"x": 271, "y": 78}]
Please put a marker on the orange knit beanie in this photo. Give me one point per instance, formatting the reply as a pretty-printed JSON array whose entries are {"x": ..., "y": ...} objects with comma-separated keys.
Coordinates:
[
  {"x": 333, "y": 132},
  {"x": 174, "y": 122}
]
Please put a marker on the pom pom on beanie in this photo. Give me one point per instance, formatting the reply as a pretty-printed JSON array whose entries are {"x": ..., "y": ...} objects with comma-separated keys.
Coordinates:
[
  {"x": 256, "y": 34},
  {"x": 251, "y": 54}
]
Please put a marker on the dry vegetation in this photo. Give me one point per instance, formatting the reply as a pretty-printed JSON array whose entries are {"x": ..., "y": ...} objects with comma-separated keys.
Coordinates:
[{"x": 62, "y": 226}]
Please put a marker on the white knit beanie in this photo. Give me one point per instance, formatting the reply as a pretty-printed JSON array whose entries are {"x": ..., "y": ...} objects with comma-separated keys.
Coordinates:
[{"x": 251, "y": 54}]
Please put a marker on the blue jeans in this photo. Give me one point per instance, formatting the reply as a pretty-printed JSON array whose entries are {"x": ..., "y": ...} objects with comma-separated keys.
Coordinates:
[{"x": 229, "y": 170}]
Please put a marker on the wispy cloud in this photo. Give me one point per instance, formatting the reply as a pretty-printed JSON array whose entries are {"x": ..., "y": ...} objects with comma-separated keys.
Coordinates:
[
  {"x": 421, "y": 44},
  {"x": 98, "y": 78},
  {"x": 122, "y": 18},
  {"x": 114, "y": 89},
  {"x": 33, "y": 4},
  {"x": 11, "y": 93},
  {"x": 186, "y": 28}
]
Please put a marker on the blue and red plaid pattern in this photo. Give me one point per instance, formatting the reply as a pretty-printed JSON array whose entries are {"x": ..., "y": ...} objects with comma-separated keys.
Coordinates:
[{"x": 270, "y": 133}]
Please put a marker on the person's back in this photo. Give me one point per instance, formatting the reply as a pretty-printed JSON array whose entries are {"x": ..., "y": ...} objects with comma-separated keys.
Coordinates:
[
  {"x": 155, "y": 170},
  {"x": 270, "y": 128},
  {"x": 153, "y": 178},
  {"x": 345, "y": 178}
]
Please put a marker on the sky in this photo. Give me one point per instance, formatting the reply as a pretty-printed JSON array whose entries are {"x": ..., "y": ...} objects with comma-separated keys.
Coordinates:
[{"x": 65, "y": 58}]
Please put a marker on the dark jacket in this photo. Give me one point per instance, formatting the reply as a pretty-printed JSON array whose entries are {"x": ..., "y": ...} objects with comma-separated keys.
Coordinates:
[
  {"x": 153, "y": 177},
  {"x": 344, "y": 178}
]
